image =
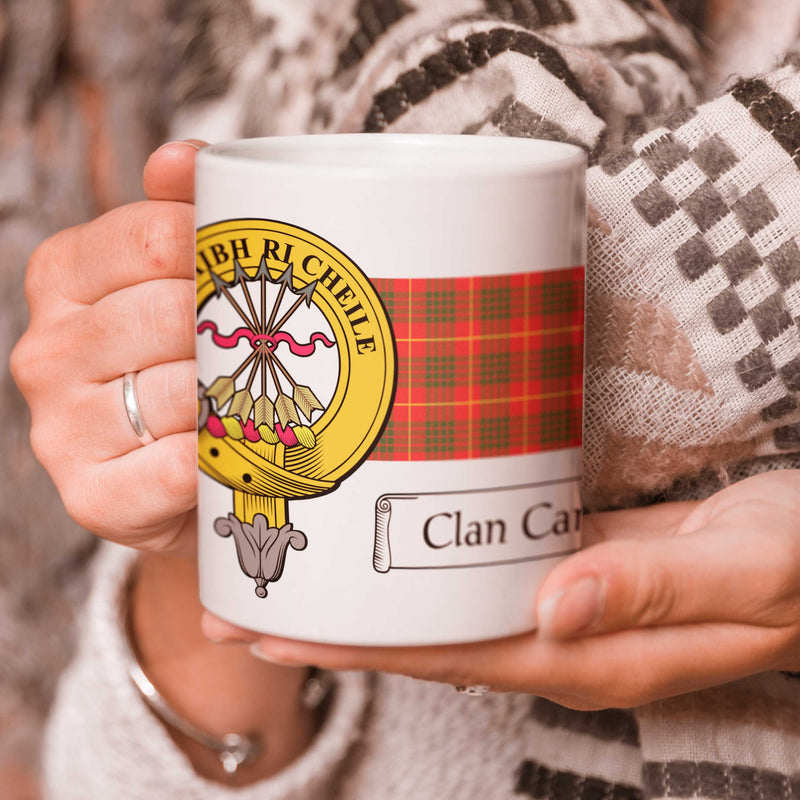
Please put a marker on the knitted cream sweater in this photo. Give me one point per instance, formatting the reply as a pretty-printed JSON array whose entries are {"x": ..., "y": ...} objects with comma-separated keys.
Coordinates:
[{"x": 692, "y": 379}]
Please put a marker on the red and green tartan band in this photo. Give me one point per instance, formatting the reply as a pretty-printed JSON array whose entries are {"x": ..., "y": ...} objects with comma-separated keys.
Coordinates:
[{"x": 487, "y": 366}]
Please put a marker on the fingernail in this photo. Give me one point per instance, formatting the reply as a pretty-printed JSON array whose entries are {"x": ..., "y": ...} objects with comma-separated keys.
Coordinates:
[
  {"x": 257, "y": 651},
  {"x": 575, "y": 609},
  {"x": 190, "y": 142}
]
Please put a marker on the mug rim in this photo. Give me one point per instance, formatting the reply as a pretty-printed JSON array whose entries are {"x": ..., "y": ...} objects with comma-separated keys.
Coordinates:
[{"x": 396, "y": 154}]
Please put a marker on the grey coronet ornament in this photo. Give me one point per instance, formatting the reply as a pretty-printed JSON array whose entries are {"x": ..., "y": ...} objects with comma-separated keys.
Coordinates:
[{"x": 261, "y": 549}]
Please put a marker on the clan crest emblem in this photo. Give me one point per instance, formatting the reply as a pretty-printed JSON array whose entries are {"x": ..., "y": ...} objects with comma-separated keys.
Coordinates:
[{"x": 296, "y": 376}]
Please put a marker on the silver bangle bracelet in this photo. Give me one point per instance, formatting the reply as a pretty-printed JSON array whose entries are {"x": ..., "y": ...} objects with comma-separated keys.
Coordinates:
[{"x": 232, "y": 749}]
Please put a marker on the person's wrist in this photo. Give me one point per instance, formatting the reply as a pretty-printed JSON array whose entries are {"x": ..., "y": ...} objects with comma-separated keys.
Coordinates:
[{"x": 218, "y": 688}]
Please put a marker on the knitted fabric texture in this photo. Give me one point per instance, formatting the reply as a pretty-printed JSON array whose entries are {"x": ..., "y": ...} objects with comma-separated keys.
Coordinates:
[{"x": 693, "y": 298}]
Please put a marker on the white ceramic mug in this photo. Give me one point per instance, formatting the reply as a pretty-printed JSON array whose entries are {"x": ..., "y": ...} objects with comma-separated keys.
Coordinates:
[{"x": 390, "y": 351}]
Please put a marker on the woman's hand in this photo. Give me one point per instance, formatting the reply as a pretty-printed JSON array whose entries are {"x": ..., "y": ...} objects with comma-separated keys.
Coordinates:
[
  {"x": 666, "y": 600},
  {"x": 113, "y": 296}
]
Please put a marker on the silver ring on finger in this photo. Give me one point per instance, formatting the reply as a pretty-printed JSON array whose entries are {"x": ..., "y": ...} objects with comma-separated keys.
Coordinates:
[{"x": 133, "y": 409}]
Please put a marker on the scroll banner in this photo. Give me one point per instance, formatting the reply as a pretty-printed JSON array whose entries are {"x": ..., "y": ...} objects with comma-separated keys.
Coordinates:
[{"x": 440, "y": 530}]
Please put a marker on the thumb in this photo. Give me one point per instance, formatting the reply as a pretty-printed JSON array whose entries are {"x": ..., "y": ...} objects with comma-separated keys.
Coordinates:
[
  {"x": 728, "y": 574},
  {"x": 169, "y": 172}
]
